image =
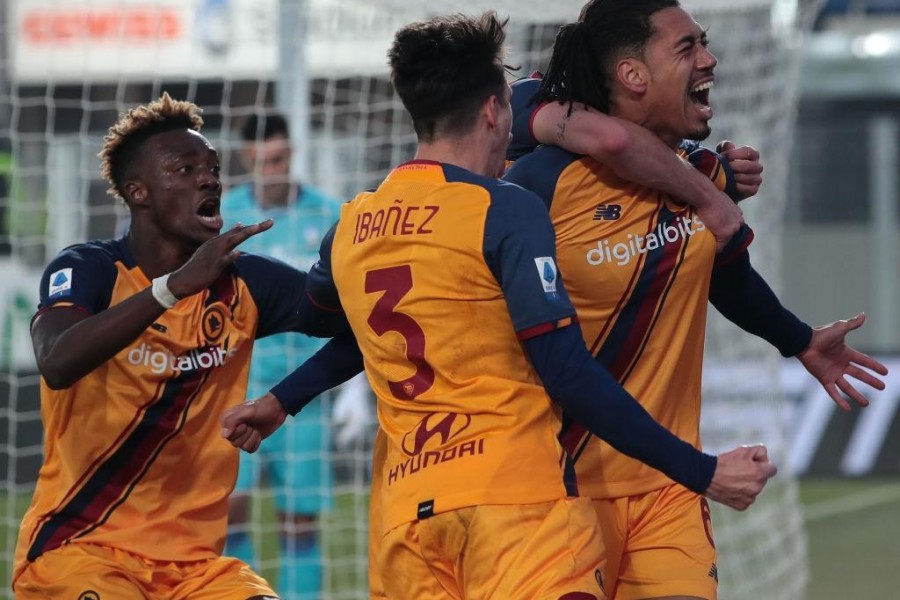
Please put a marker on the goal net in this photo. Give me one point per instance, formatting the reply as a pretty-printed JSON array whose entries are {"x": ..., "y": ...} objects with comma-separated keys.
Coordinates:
[{"x": 68, "y": 67}]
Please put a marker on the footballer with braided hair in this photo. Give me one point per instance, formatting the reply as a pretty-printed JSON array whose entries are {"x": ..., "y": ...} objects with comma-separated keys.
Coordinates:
[
  {"x": 641, "y": 270},
  {"x": 141, "y": 343}
]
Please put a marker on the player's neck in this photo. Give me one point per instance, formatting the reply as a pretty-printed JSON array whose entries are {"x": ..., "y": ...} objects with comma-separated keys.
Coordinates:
[
  {"x": 634, "y": 112},
  {"x": 153, "y": 257},
  {"x": 466, "y": 152}
]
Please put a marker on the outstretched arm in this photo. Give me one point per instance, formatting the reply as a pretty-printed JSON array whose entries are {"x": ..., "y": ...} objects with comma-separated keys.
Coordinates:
[
  {"x": 745, "y": 299},
  {"x": 247, "y": 425}
]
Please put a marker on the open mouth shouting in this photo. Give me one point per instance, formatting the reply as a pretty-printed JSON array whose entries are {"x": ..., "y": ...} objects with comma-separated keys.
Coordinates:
[
  {"x": 208, "y": 212},
  {"x": 700, "y": 98}
]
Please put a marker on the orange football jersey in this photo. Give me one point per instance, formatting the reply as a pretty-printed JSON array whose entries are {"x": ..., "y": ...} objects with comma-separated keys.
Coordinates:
[
  {"x": 441, "y": 273},
  {"x": 133, "y": 456},
  {"x": 637, "y": 267}
]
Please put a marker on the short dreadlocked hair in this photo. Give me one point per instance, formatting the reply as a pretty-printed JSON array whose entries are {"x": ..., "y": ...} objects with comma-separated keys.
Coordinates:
[
  {"x": 585, "y": 52},
  {"x": 125, "y": 138}
]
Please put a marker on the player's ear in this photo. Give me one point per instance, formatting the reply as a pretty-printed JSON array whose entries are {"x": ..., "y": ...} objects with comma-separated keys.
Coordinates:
[
  {"x": 136, "y": 192},
  {"x": 633, "y": 75},
  {"x": 490, "y": 110}
]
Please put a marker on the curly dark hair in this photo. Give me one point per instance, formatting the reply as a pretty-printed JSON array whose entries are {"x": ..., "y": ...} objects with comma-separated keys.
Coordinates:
[{"x": 124, "y": 139}]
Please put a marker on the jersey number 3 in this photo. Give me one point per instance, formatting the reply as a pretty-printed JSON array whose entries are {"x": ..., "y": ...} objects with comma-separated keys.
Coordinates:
[{"x": 396, "y": 282}]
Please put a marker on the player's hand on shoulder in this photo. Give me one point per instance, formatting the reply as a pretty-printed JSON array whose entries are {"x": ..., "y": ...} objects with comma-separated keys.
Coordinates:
[
  {"x": 207, "y": 263},
  {"x": 745, "y": 165},
  {"x": 723, "y": 218},
  {"x": 247, "y": 425},
  {"x": 717, "y": 208},
  {"x": 740, "y": 476}
]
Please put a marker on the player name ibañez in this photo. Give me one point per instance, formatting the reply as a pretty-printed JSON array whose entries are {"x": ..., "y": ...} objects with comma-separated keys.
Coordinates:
[
  {"x": 621, "y": 253},
  {"x": 161, "y": 361},
  {"x": 434, "y": 457},
  {"x": 395, "y": 220}
]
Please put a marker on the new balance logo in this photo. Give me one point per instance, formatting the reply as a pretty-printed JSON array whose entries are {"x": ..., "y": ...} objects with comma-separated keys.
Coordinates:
[
  {"x": 608, "y": 212},
  {"x": 714, "y": 572}
]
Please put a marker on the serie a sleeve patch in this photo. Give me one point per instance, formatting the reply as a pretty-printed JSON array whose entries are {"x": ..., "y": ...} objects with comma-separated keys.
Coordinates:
[{"x": 60, "y": 283}]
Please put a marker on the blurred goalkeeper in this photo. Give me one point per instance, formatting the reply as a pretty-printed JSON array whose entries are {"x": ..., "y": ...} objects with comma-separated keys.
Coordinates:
[
  {"x": 295, "y": 461},
  {"x": 141, "y": 343},
  {"x": 640, "y": 269}
]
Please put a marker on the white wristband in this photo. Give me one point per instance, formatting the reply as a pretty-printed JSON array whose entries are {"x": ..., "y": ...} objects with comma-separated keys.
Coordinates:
[{"x": 162, "y": 293}]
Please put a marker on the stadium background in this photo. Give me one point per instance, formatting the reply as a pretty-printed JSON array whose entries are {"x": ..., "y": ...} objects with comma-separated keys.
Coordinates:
[{"x": 828, "y": 214}]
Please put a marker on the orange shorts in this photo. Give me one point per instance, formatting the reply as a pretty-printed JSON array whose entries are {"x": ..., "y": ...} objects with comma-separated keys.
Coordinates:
[
  {"x": 548, "y": 551},
  {"x": 658, "y": 544},
  {"x": 90, "y": 572}
]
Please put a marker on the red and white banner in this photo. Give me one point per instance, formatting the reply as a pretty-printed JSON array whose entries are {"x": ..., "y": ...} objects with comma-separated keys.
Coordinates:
[{"x": 102, "y": 40}]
